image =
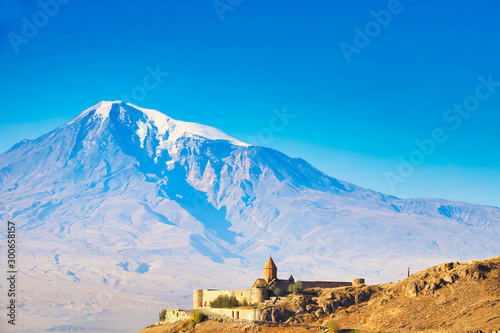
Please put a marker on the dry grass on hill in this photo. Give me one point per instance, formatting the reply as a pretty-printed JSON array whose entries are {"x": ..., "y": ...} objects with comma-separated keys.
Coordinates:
[
  {"x": 451, "y": 297},
  {"x": 211, "y": 326}
]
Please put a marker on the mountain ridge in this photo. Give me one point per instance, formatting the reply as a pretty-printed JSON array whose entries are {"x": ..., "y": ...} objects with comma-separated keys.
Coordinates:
[
  {"x": 106, "y": 104},
  {"x": 106, "y": 195},
  {"x": 450, "y": 297}
]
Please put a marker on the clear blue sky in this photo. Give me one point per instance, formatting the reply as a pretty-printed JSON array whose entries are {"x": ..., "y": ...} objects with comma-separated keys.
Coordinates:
[{"x": 354, "y": 120}]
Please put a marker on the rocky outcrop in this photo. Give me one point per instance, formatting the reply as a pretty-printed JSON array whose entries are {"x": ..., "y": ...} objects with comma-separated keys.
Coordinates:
[
  {"x": 429, "y": 281},
  {"x": 344, "y": 298},
  {"x": 451, "y": 297},
  {"x": 275, "y": 314}
]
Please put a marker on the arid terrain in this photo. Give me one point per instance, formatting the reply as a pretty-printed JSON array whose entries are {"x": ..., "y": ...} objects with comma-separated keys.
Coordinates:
[
  {"x": 451, "y": 297},
  {"x": 211, "y": 326}
]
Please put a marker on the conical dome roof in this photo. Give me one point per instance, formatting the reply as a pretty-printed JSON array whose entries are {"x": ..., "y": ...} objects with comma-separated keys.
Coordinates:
[{"x": 270, "y": 264}]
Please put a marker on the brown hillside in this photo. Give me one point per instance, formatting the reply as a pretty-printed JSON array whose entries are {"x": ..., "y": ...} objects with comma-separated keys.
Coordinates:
[
  {"x": 212, "y": 326},
  {"x": 452, "y": 297}
]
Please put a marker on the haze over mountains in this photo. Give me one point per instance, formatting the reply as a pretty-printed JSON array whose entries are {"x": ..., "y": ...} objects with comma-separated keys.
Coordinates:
[{"x": 125, "y": 210}]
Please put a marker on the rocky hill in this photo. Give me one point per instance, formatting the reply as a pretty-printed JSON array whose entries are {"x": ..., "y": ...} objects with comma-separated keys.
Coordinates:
[{"x": 451, "y": 297}]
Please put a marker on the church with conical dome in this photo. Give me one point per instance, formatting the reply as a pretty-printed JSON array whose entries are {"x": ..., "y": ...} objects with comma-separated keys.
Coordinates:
[
  {"x": 262, "y": 287},
  {"x": 270, "y": 270},
  {"x": 271, "y": 277}
]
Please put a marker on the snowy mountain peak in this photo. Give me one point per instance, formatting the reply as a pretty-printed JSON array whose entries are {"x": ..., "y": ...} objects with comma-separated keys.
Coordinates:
[
  {"x": 125, "y": 194},
  {"x": 166, "y": 128},
  {"x": 101, "y": 109}
]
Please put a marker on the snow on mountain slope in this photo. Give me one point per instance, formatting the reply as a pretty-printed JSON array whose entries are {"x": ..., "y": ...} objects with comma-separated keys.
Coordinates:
[
  {"x": 124, "y": 210},
  {"x": 167, "y": 130}
]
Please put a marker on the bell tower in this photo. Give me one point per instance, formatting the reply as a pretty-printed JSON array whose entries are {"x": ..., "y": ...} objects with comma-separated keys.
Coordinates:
[{"x": 270, "y": 270}]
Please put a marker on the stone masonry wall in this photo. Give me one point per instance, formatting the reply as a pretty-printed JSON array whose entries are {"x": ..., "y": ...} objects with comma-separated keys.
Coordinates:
[
  {"x": 174, "y": 315},
  {"x": 325, "y": 284},
  {"x": 236, "y": 314},
  {"x": 203, "y": 298}
]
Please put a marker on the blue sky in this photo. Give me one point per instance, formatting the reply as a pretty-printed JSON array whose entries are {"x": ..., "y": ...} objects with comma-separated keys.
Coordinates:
[{"x": 231, "y": 64}]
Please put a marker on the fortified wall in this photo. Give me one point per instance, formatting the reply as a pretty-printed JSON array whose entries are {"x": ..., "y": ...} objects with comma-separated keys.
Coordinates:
[
  {"x": 176, "y": 315},
  {"x": 202, "y": 298},
  {"x": 283, "y": 284}
]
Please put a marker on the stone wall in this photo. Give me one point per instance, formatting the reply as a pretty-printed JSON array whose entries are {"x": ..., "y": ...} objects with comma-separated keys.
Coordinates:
[
  {"x": 283, "y": 284},
  {"x": 358, "y": 282},
  {"x": 202, "y": 298},
  {"x": 174, "y": 315},
  {"x": 241, "y": 314},
  {"x": 325, "y": 284},
  {"x": 197, "y": 298}
]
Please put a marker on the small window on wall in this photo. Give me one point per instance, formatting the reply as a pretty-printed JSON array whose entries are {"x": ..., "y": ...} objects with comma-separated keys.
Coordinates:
[{"x": 241, "y": 294}]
